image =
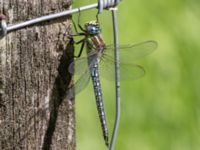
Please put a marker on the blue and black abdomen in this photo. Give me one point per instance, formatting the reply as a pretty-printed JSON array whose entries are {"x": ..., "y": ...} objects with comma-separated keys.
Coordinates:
[{"x": 99, "y": 100}]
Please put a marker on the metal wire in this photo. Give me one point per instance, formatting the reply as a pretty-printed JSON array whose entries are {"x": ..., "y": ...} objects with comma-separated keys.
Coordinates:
[
  {"x": 49, "y": 17},
  {"x": 117, "y": 82},
  {"x": 102, "y": 4}
]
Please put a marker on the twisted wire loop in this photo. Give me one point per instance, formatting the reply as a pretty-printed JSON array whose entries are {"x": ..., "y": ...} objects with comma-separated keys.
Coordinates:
[{"x": 106, "y": 4}]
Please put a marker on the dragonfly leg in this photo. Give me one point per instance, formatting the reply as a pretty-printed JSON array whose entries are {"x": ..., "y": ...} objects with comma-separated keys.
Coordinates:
[
  {"x": 97, "y": 17},
  {"x": 70, "y": 36},
  {"x": 77, "y": 34},
  {"x": 79, "y": 25},
  {"x": 82, "y": 46},
  {"x": 74, "y": 26},
  {"x": 81, "y": 41}
]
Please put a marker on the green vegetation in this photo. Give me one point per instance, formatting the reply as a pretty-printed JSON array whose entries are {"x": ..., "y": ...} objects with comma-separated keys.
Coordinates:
[{"x": 160, "y": 111}]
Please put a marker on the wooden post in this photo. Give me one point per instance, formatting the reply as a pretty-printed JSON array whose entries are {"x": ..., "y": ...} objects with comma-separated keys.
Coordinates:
[{"x": 34, "y": 111}]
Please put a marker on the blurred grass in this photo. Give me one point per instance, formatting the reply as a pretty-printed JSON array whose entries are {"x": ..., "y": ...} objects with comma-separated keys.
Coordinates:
[{"x": 160, "y": 111}]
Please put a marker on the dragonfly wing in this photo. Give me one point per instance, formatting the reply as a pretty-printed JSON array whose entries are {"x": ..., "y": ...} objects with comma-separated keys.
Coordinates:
[
  {"x": 80, "y": 65},
  {"x": 131, "y": 52},
  {"x": 79, "y": 85},
  {"x": 131, "y": 71},
  {"x": 80, "y": 68},
  {"x": 84, "y": 79},
  {"x": 127, "y": 71},
  {"x": 82, "y": 82}
]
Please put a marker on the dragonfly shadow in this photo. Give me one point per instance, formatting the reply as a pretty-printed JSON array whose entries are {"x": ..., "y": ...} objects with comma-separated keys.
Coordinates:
[{"x": 58, "y": 95}]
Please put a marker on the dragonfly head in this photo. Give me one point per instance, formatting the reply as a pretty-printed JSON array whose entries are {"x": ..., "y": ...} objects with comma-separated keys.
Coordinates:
[{"x": 92, "y": 27}]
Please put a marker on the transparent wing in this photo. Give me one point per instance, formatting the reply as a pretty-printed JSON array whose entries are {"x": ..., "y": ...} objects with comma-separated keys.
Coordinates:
[
  {"x": 131, "y": 52},
  {"x": 83, "y": 77},
  {"x": 128, "y": 54},
  {"x": 80, "y": 68},
  {"x": 79, "y": 85},
  {"x": 82, "y": 82},
  {"x": 127, "y": 71},
  {"x": 80, "y": 65}
]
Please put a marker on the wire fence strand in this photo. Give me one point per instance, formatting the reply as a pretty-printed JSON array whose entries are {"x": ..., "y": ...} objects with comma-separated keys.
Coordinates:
[{"x": 117, "y": 82}]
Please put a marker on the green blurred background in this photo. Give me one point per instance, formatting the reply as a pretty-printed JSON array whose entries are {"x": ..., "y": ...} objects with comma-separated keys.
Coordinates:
[{"x": 160, "y": 111}]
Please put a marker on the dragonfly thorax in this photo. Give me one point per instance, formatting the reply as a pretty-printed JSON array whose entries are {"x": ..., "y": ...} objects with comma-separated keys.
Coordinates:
[{"x": 92, "y": 28}]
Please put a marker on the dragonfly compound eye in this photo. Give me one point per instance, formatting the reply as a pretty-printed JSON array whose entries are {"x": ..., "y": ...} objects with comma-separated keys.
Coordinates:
[{"x": 93, "y": 29}]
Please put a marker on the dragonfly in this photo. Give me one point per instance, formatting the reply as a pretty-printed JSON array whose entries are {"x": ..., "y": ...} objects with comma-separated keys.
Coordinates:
[{"x": 100, "y": 59}]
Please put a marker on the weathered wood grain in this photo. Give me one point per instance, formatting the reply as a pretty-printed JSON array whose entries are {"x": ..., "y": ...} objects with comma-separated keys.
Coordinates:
[{"x": 34, "y": 112}]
